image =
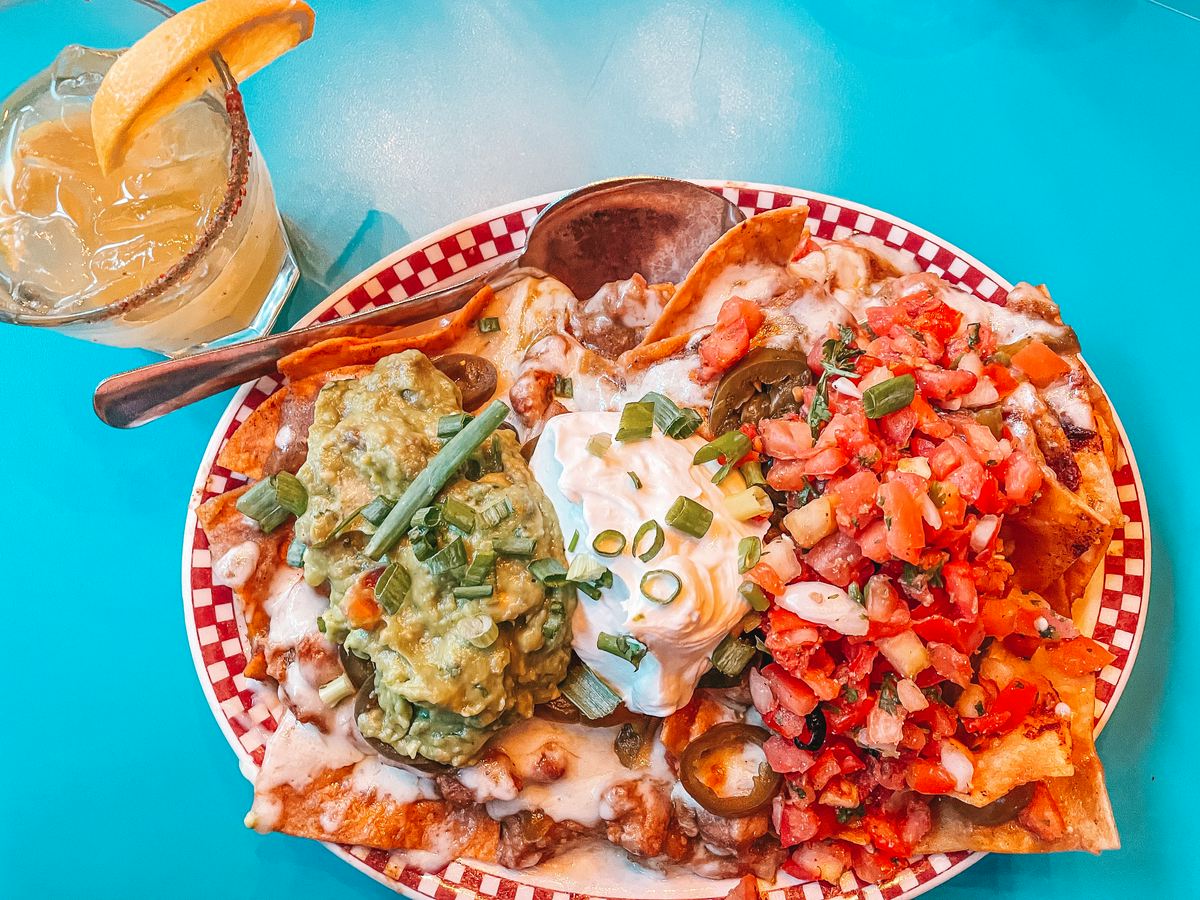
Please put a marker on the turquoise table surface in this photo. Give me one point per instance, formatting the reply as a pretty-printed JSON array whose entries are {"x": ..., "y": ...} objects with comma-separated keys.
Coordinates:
[{"x": 1057, "y": 142}]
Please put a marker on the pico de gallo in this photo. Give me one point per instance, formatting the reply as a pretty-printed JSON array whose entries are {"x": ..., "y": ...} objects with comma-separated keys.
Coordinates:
[{"x": 896, "y": 470}]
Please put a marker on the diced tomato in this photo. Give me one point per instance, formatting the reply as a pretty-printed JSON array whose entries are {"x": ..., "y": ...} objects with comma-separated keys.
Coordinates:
[
  {"x": 949, "y": 455},
  {"x": 359, "y": 604},
  {"x": 1001, "y": 377},
  {"x": 819, "y": 861},
  {"x": 928, "y": 421},
  {"x": 897, "y": 427},
  {"x": 783, "y": 756},
  {"x": 790, "y": 692},
  {"x": 883, "y": 318},
  {"x": 911, "y": 737},
  {"x": 1021, "y": 645},
  {"x": 945, "y": 384},
  {"x": 1007, "y": 711},
  {"x": 885, "y": 834},
  {"x": 844, "y": 716},
  {"x": 873, "y": 542},
  {"x": 961, "y": 586},
  {"x": 1002, "y": 616},
  {"x": 988, "y": 499},
  {"x": 835, "y": 558},
  {"x": 931, "y": 315},
  {"x": 874, "y": 868},
  {"x": 1079, "y": 656},
  {"x": 787, "y": 475},
  {"x": 737, "y": 322},
  {"x": 825, "y": 462},
  {"x": 797, "y": 825},
  {"x": 1022, "y": 477},
  {"x": 970, "y": 478},
  {"x": 745, "y": 889},
  {"x": 939, "y": 718},
  {"x": 766, "y": 578},
  {"x": 950, "y": 664},
  {"x": 953, "y": 508},
  {"x": 854, "y": 500},
  {"x": 926, "y": 777},
  {"x": 902, "y": 519},
  {"x": 1040, "y": 363},
  {"x": 786, "y": 438},
  {"x": 886, "y": 611},
  {"x": 786, "y": 723}
]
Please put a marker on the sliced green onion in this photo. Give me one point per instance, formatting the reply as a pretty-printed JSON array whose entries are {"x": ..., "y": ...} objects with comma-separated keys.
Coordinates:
[
  {"x": 556, "y": 618},
  {"x": 752, "y": 503},
  {"x": 591, "y": 696},
  {"x": 671, "y": 420},
  {"x": 598, "y": 445},
  {"x": 590, "y": 589},
  {"x": 422, "y": 547},
  {"x": 427, "y": 517},
  {"x": 549, "y": 572},
  {"x": 637, "y": 482},
  {"x": 334, "y": 692},
  {"x": 637, "y": 422},
  {"x": 749, "y": 553},
  {"x": 660, "y": 586},
  {"x": 392, "y": 587},
  {"x": 733, "y": 444},
  {"x": 488, "y": 324},
  {"x": 585, "y": 567},
  {"x": 343, "y": 525},
  {"x": 622, "y": 645},
  {"x": 265, "y": 501},
  {"x": 515, "y": 546},
  {"x": 449, "y": 558},
  {"x": 473, "y": 592},
  {"x": 290, "y": 493},
  {"x": 732, "y": 656},
  {"x": 376, "y": 511},
  {"x": 574, "y": 541},
  {"x": 295, "y": 553},
  {"x": 480, "y": 631},
  {"x": 481, "y": 566},
  {"x": 497, "y": 512},
  {"x": 889, "y": 396},
  {"x": 449, "y": 426},
  {"x": 689, "y": 517},
  {"x": 434, "y": 477},
  {"x": 563, "y": 387},
  {"x": 752, "y": 474},
  {"x": 609, "y": 542},
  {"x": 647, "y": 552},
  {"x": 753, "y": 595},
  {"x": 458, "y": 514}
]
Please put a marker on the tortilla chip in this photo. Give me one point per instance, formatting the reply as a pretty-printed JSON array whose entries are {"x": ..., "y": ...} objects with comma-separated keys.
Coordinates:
[
  {"x": 351, "y": 351},
  {"x": 328, "y": 804},
  {"x": 254, "y": 449},
  {"x": 769, "y": 239},
  {"x": 226, "y": 528},
  {"x": 1081, "y": 797},
  {"x": 1050, "y": 535}
]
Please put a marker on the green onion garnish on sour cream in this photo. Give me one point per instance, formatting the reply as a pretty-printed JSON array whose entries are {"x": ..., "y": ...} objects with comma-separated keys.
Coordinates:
[
  {"x": 689, "y": 517},
  {"x": 622, "y": 645},
  {"x": 637, "y": 422}
]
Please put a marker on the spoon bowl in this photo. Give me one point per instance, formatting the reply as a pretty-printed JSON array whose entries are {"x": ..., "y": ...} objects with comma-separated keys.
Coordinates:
[{"x": 602, "y": 232}]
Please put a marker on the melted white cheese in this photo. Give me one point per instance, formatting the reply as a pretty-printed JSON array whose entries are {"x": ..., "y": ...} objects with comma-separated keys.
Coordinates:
[
  {"x": 236, "y": 565},
  {"x": 591, "y": 494}
]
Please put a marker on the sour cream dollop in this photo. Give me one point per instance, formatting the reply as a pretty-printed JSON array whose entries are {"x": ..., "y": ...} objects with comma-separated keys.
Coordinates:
[{"x": 592, "y": 494}]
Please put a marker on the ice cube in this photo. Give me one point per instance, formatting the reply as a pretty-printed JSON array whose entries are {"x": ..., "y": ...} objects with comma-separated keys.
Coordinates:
[
  {"x": 52, "y": 257},
  {"x": 77, "y": 71}
]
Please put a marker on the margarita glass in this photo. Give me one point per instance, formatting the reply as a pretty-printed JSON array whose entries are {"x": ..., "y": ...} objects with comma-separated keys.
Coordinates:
[{"x": 177, "y": 248}]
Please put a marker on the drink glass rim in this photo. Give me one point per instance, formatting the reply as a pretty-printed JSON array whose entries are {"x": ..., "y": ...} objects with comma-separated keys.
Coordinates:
[{"x": 239, "y": 172}]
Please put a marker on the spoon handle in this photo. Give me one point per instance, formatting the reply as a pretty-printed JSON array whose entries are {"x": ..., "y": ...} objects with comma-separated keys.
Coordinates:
[{"x": 143, "y": 395}]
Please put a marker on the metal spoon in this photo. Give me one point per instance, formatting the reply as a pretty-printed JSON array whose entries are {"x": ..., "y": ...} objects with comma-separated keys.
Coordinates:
[{"x": 602, "y": 232}]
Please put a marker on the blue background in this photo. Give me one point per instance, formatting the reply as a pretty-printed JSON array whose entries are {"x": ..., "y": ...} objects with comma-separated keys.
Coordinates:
[{"x": 1055, "y": 141}]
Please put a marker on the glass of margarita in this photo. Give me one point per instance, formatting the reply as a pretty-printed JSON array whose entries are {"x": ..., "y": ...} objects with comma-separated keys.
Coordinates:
[{"x": 177, "y": 248}]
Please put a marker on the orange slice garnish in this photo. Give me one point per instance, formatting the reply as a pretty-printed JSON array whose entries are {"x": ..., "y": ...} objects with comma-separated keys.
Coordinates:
[{"x": 173, "y": 63}]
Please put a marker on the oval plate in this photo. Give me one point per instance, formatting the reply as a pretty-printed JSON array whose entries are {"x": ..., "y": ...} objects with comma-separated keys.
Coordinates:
[{"x": 217, "y": 635}]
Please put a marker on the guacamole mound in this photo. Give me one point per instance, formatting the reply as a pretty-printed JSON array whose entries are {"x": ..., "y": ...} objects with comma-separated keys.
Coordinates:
[{"x": 440, "y": 694}]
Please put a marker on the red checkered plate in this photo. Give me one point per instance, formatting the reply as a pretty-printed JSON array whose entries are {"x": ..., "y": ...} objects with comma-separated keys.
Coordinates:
[{"x": 1118, "y": 594}]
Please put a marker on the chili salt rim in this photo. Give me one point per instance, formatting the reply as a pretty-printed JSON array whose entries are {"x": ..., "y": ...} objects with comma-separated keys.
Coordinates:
[{"x": 235, "y": 192}]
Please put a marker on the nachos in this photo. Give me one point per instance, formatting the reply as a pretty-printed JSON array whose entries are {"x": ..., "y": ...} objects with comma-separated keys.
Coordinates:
[{"x": 783, "y": 568}]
